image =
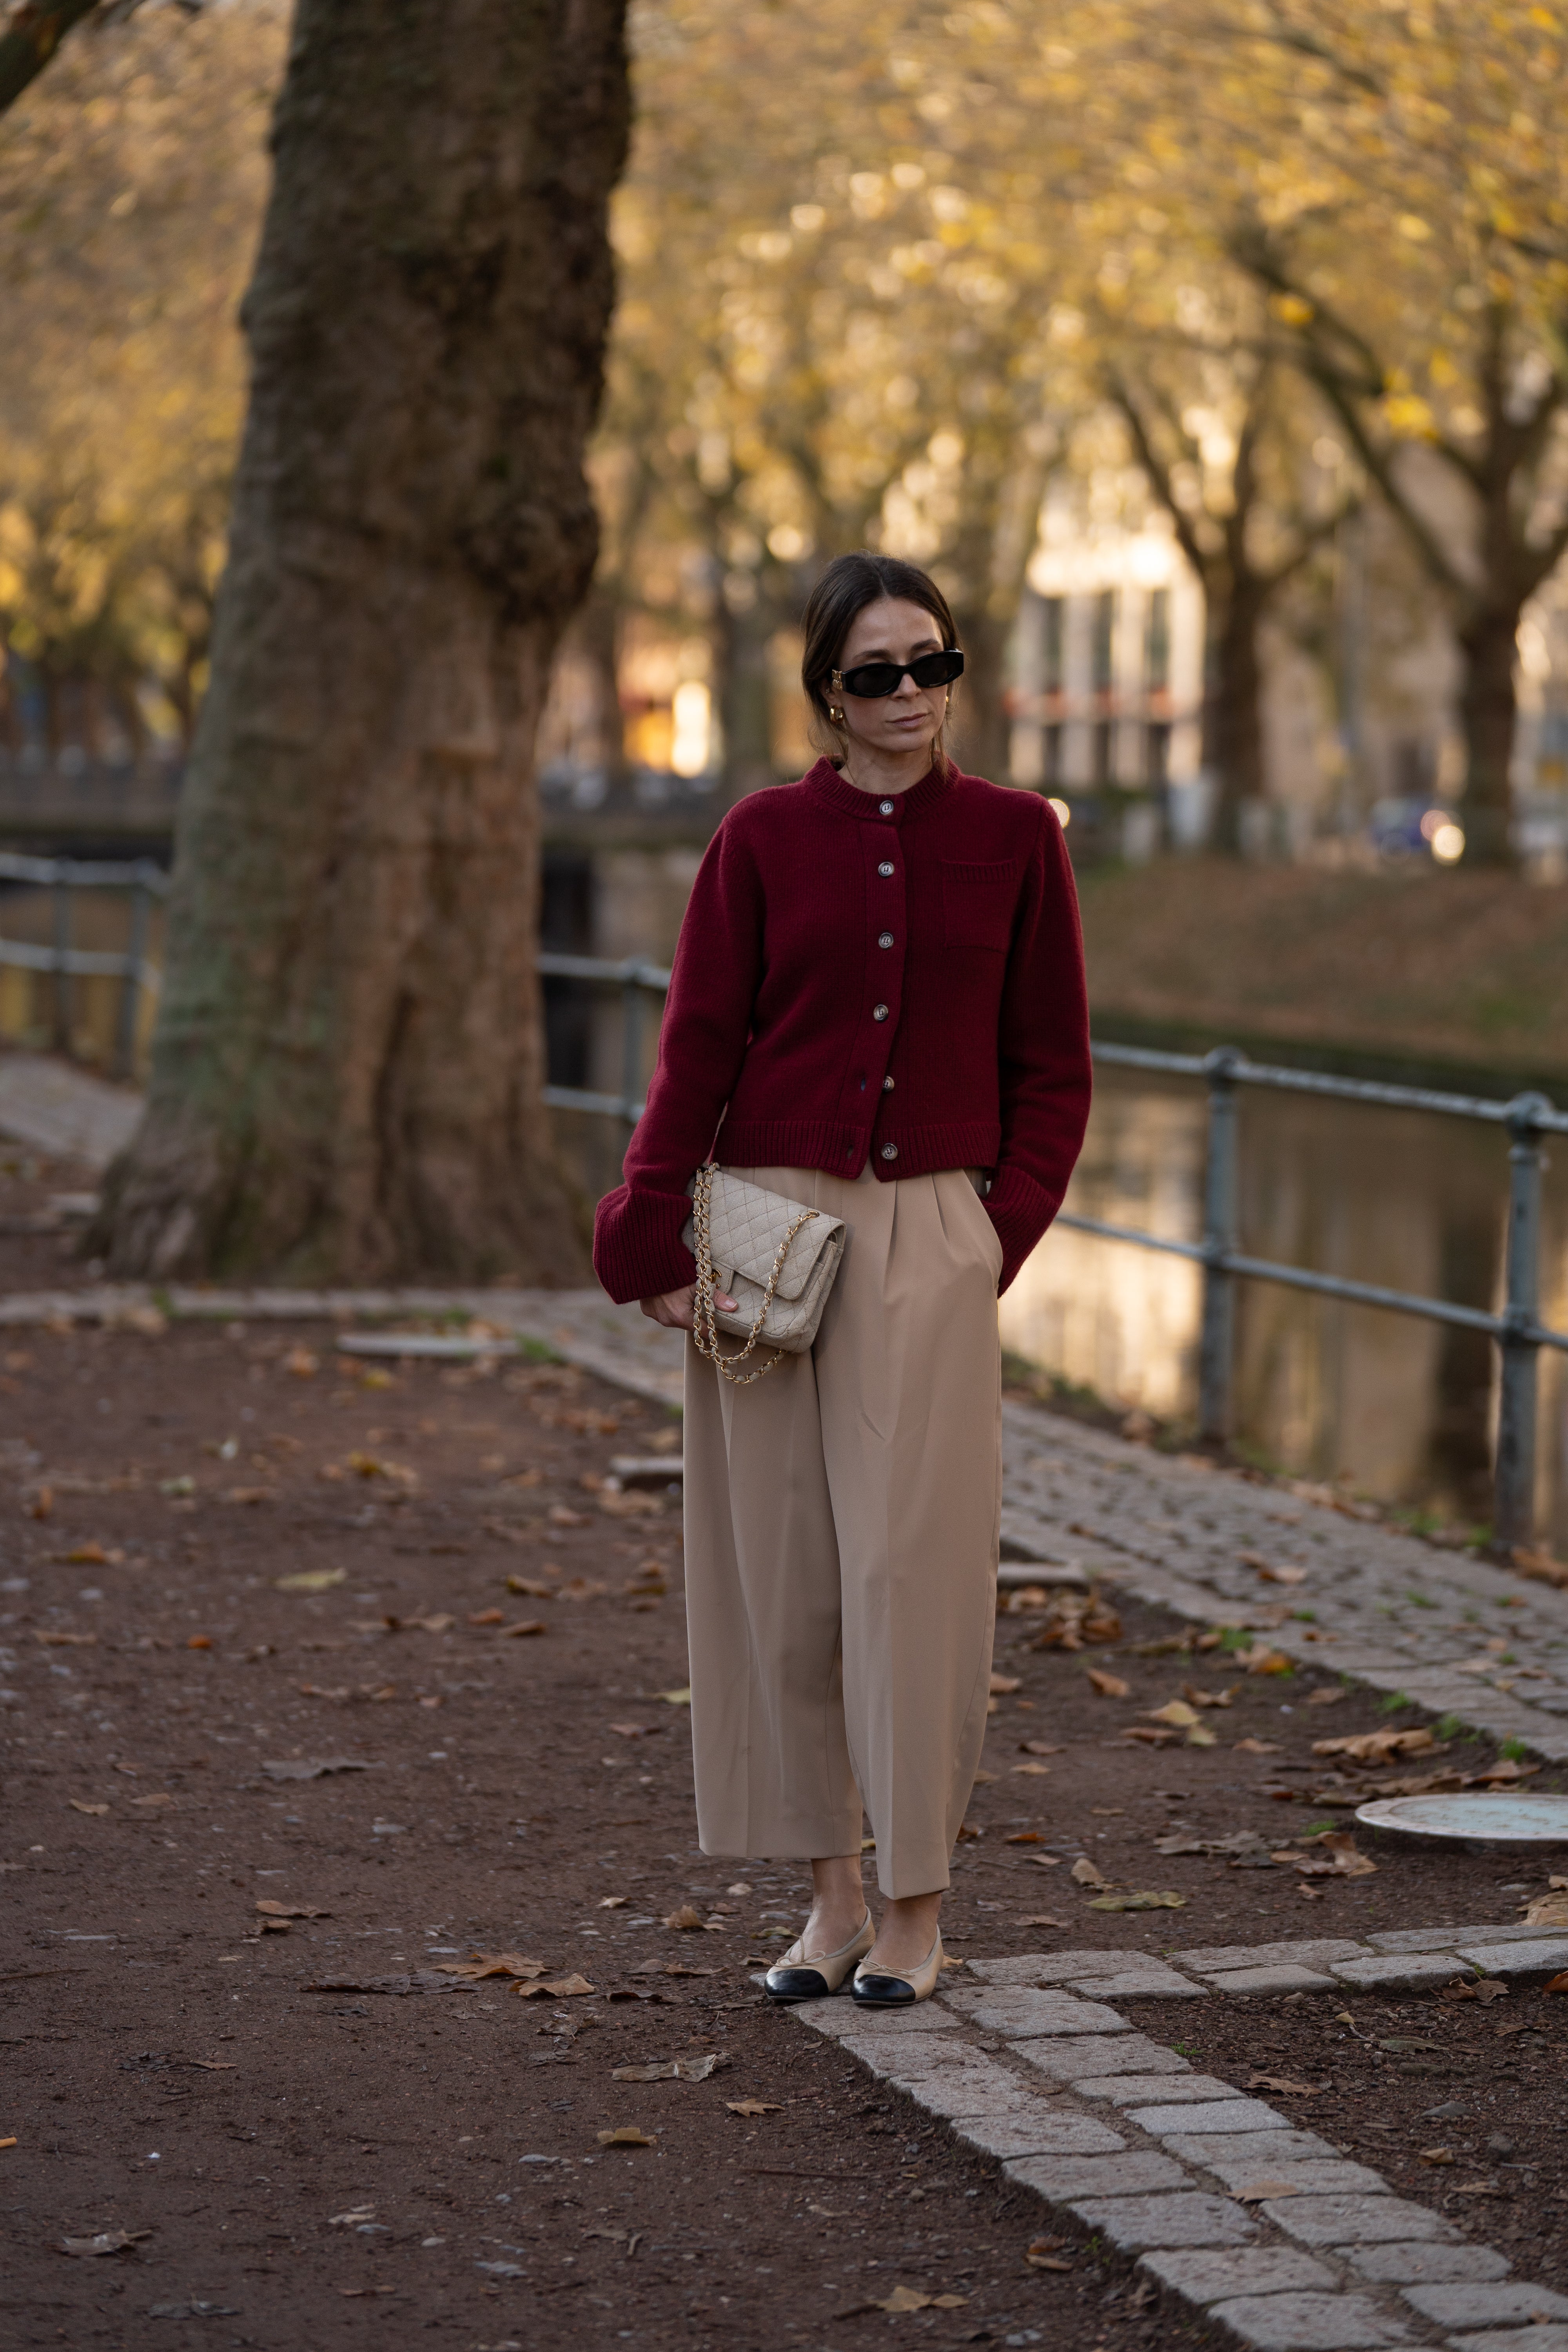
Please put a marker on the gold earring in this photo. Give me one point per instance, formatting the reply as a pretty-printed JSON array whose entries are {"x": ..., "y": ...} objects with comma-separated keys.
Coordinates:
[{"x": 836, "y": 717}]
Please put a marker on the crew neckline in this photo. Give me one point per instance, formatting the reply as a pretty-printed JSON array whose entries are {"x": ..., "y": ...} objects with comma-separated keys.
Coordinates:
[{"x": 885, "y": 808}]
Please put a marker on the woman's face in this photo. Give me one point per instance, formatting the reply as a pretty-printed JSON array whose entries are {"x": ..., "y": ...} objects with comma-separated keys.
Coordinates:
[{"x": 895, "y": 631}]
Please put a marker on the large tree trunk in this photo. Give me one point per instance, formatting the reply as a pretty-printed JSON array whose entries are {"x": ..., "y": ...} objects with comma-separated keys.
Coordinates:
[
  {"x": 348, "y": 1064},
  {"x": 1233, "y": 711},
  {"x": 1487, "y": 710}
]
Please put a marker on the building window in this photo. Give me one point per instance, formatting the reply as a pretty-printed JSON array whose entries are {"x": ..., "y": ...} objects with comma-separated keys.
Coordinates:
[
  {"x": 1157, "y": 755},
  {"x": 1103, "y": 671},
  {"x": 1100, "y": 741},
  {"x": 1053, "y": 735},
  {"x": 1053, "y": 639},
  {"x": 1157, "y": 642}
]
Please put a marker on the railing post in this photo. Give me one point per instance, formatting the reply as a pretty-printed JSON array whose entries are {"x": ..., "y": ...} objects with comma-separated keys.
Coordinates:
[
  {"x": 1513, "y": 1510},
  {"x": 62, "y": 1009},
  {"x": 1217, "y": 1344},
  {"x": 631, "y": 1046},
  {"x": 131, "y": 986}
]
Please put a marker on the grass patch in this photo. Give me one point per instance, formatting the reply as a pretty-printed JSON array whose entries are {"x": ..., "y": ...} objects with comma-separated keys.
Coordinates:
[{"x": 1394, "y": 1701}]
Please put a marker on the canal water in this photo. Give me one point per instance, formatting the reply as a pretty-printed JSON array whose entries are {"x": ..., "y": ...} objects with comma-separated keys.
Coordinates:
[{"x": 1403, "y": 1409}]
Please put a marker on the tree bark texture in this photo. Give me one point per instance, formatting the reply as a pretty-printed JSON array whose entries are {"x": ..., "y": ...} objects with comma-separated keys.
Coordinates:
[
  {"x": 349, "y": 1059},
  {"x": 980, "y": 733},
  {"x": 1233, "y": 704}
]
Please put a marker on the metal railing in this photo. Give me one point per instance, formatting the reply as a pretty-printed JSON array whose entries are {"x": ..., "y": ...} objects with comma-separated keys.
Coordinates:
[
  {"x": 1517, "y": 1331},
  {"x": 61, "y": 875}
]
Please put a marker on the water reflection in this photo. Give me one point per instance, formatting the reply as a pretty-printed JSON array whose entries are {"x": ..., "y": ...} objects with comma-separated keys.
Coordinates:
[{"x": 1405, "y": 1409}]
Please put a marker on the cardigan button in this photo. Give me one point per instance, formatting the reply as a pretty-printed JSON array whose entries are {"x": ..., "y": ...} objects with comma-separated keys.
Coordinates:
[
  {"x": 878, "y": 1013},
  {"x": 890, "y": 1151},
  {"x": 886, "y": 1085},
  {"x": 886, "y": 867},
  {"x": 885, "y": 939},
  {"x": 885, "y": 807}
]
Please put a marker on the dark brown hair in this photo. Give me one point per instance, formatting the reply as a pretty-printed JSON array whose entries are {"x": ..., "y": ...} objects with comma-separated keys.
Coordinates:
[{"x": 849, "y": 584}]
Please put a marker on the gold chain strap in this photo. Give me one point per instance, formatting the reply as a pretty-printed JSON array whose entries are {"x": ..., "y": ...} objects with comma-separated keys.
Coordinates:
[{"x": 704, "y": 1320}]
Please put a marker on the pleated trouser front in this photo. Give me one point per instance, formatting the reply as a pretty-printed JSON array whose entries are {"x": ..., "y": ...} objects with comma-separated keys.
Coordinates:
[{"x": 842, "y": 1521}]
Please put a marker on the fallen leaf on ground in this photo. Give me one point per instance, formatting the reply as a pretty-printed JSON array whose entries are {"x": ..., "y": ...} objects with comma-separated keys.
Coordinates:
[
  {"x": 1041, "y": 1919},
  {"x": 1284, "y": 2084},
  {"x": 87, "y": 1555},
  {"x": 1023, "y": 1837},
  {"x": 66, "y": 1641},
  {"x": 1088, "y": 1873},
  {"x": 488, "y": 1617},
  {"x": 558, "y": 1987},
  {"x": 310, "y": 1579},
  {"x": 267, "y": 1906},
  {"x": 1041, "y": 1747},
  {"x": 1038, "y": 1771},
  {"x": 1209, "y": 1698},
  {"x": 1144, "y": 1901},
  {"x": 1334, "y": 1853},
  {"x": 312, "y": 1767},
  {"x": 301, "y": 1363},
  {"x": 1108, "y": 1685},
  {"x": 561, "y": 1515},
  {"x": 671, "y": 2070},
  {"x": 670, "y": 1969},
  {"x": 520, "y": 1631},
  {"x": 1327, "y": 1694},
  {"x": 675, "y": 1697},
  {"x": 754, "y": 2107},
  {"x": 1436, "y": 2155},
  {"x": 106, "y": 2241},
  {"x": 634, "y": 1730},
  {"x": 1004, "y": 1685},
  {"x": 355, "y": 2214},
  {"x": 624, "y": 2136},
  {"x": 1486, "y": 1989},
  {"x": 1269, "y": 1662},
  {"x": 612, "y": 1902},
  {"x": 1150, "y": 1736},
  {"x": 1557, "y": 1983},
  {"x": 908, "y": 2298},
  {"x": 81, "y": 1805},
  {"x": 1377, "y": 1747},
  {"x": 1045, "y": 1861},
  {"x": 491, "y": 1964},
  {"x": 1041, "y": 2254},
  {"x": 1256, "y": 2191}
]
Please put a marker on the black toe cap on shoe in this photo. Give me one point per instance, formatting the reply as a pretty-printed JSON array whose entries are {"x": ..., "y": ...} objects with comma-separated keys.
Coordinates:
[
  {"x": 796, "y": 1984},
  {"x": 883, "y": 1992}
]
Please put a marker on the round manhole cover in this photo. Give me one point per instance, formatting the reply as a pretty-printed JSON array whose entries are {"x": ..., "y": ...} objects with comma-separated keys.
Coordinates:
[{"x": 1512, "y": 1819}]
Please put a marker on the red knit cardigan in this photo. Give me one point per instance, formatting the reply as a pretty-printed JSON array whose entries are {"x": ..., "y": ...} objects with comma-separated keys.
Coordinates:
[{"x": 901, "y": 976}]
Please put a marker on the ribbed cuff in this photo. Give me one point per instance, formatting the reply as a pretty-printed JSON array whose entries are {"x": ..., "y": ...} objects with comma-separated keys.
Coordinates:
[
  {"x": 638, "y": 1249},
  {"x": 1020, "y": 1210}
]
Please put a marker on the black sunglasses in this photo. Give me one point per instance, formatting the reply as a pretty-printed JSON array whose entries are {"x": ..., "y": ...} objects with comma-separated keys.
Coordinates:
[{"x": 872, "y": 680}]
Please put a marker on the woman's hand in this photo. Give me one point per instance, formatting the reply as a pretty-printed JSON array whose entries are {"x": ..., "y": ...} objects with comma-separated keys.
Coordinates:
[{"x": 673, "y": 1309}]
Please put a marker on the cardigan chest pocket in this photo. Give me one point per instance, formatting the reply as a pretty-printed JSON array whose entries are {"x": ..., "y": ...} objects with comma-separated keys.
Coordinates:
[{"x": 977, "y": 904}]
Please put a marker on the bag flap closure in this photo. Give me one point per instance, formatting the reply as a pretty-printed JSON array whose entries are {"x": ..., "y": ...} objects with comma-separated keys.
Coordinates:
[{"x": 747, "y": 1226}]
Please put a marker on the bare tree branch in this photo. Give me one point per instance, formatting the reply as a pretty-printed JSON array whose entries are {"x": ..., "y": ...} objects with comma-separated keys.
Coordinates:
[{"x": 31, "y": 37}]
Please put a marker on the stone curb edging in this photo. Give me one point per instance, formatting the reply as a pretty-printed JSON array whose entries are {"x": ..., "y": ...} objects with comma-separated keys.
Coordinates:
[{"x": 1119, "y": 2136}]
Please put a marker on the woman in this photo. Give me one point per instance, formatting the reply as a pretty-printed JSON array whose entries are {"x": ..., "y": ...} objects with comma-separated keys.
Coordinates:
[{"x": 878, "y": 991}]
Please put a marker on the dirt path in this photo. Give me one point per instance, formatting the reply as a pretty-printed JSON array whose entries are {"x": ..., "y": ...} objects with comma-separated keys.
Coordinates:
[{"x": 313, "y": 2124}]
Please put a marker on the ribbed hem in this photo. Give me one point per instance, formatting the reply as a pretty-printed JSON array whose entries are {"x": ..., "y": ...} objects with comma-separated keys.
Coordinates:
[
  {"x": 843, "y": 1150},
  {"x": 638, "y": 1249},
  {"x": 1021, "y": 1211}
]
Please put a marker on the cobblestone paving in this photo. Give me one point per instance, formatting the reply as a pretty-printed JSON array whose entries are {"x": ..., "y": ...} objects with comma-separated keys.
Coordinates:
[
  {"x": 65, "y": 1112},
  {"x": 1263, "y": 2228}
]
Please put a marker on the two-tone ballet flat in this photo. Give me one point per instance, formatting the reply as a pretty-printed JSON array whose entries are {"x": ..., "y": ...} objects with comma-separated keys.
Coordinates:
[
  {"x": 799, "y": 1979},
  {"x": 885, "y": 1989}
]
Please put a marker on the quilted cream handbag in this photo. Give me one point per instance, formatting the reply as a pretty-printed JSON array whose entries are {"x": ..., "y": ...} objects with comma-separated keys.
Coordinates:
[{"x": 776, "y": 1257}]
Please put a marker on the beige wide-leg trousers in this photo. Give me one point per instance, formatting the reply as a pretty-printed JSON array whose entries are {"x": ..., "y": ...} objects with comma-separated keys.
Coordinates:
[{"x": 842, "y": 1521}]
